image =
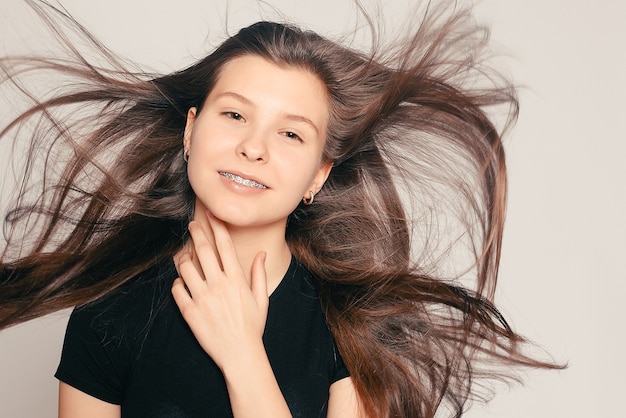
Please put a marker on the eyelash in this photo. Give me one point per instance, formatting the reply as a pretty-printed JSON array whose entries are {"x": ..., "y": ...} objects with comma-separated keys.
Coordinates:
[
  {"x": 234, "y": 115},
  {"x": 292, "y": 135}
]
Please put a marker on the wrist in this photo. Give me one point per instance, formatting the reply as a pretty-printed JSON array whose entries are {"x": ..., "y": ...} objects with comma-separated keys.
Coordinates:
[
  {"x": 244, "y": 357},
  {"x": 251, "y": 384}
]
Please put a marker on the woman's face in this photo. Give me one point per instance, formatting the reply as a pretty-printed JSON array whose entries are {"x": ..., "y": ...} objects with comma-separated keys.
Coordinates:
[{"x": 255, "y": 148}]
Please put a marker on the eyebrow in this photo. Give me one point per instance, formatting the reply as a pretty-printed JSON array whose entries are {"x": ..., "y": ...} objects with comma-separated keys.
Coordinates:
[
  {"x": 237, "y": 96},
  {"x": 289, "y": 116},
  {"x": 299, "y": 118}
]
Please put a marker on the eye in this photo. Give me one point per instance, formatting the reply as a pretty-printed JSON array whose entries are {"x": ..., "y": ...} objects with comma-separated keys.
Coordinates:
[
  {"x": 234, "y": 115},
  {"x": 292, "y": 135}
]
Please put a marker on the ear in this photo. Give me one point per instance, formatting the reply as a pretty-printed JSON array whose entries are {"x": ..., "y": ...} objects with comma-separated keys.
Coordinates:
[
  {"x": 320, "y": 178},
  {"x": 191, "y": 118}
]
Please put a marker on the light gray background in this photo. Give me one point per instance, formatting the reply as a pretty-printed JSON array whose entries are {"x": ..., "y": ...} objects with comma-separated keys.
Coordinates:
[{"x": 562, "y": 276}]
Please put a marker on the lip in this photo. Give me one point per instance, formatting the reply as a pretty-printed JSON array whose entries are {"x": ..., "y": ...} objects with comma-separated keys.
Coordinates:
[{"x": 248, "y": 180}]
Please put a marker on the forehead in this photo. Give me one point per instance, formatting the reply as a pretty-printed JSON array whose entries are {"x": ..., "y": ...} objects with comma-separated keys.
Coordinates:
[
  {"x": 251, "y": 65},
  {"x": 267, "y": 84}
]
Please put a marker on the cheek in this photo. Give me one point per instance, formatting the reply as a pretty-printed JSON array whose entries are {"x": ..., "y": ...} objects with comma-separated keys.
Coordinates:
[
  {"x": 200, "y": 164},
  {"x": 196, "y": 177},
  {"x": 206, "y": 147},
  {"x": 296, "y": 167},
  {"x": 203, "y": 139}
]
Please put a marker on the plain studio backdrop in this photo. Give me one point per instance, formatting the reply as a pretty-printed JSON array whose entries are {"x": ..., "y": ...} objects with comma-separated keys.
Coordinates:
[{"x": 562, "y": 275}]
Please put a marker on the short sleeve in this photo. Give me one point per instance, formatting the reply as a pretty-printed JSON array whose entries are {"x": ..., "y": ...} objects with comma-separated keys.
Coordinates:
[
  {"x": 341, "y": 371},
  {"x": 94, "y": 355}
]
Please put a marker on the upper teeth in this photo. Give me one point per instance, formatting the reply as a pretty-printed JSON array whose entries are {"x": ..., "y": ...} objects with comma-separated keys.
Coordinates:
[{"x": 241, "y": 180}]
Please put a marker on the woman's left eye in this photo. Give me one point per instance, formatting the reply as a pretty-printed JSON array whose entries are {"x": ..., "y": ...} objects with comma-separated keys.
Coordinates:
[
  {"x": 234, "y": 115},
  {"x": 292, "y": 135}
]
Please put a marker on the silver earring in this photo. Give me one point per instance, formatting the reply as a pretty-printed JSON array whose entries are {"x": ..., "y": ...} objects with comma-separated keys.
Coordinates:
[
  {"x": 308, "y": 201},
  {"x": 186, "y": 154}
]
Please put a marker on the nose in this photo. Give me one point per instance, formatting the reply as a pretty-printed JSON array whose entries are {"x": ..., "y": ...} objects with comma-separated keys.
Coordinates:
[{"x": 253, "y": 147}]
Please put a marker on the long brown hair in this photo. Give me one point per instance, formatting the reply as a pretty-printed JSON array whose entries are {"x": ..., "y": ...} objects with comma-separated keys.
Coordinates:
[{"x": 418, "y": 172}]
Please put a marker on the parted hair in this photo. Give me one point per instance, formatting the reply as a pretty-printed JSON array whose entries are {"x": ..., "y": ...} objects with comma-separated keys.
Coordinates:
[{"x": 418, "y": 181}]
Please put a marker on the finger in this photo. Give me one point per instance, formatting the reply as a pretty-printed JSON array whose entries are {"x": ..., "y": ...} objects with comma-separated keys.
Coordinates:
[
  {"x": 205, "y": 252},
  {"x": 188, "y": 249},
  {"x": 196, "y": 263},
  {"x": 258, "y": 283},
  {"x": 181, "y": 295},
  {"x": 225, "y": 248},
  {"x": 208, "y": 233},
  {"x": 206, "y": 228},
  {"x": 191, "y": 277}
]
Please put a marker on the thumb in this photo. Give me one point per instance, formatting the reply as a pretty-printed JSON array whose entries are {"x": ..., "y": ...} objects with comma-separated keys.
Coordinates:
[{"x": 258, "y": 281}]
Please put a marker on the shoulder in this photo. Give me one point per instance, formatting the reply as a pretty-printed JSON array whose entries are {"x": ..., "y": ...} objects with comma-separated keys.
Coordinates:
[
  {"x": 103, "y": 338},
  {"x": 128, "y": 309},
  {"x": 146, "y": 287}
]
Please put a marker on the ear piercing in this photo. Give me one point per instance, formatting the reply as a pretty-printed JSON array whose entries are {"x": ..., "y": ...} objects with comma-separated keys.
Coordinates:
[{"x": 308, "y": 201}]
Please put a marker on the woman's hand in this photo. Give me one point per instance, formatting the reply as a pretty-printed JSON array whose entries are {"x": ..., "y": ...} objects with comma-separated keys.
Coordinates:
[
  {"x": 225, "y": 313},
  {"x": 227, "y": 316}
]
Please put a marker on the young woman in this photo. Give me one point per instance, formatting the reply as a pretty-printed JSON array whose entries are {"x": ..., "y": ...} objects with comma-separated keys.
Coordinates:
[{"x": 267, "y": 232}]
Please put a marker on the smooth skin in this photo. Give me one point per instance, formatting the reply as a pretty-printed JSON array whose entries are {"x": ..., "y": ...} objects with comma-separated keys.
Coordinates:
[{"x": 255, "y": 128}]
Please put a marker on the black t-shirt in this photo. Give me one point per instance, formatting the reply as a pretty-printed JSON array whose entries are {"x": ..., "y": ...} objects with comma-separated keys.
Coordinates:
[{"x": 134, "y": 349}]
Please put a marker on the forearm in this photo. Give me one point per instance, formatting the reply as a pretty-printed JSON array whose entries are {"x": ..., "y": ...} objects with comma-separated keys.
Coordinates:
[{"x": 253, "y": 388}]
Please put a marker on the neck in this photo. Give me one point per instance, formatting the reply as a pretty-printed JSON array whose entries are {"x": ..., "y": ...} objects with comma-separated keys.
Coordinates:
[{"x": 249, "y": 241}]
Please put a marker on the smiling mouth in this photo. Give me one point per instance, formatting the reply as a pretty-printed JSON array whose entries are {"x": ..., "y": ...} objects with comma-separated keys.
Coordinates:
[{"x": 242, "y": 181}]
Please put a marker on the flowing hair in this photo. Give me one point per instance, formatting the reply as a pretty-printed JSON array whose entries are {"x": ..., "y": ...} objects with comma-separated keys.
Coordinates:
[{"x": 418, "y": 185}]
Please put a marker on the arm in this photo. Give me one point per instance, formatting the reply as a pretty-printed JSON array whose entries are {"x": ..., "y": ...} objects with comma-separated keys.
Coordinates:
[
  {"x": 227, "y": 316},
  {"x": 253, "y": 389},
  {"x": 76, "y": 404},
  {"x": 343, "y": 402}
]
